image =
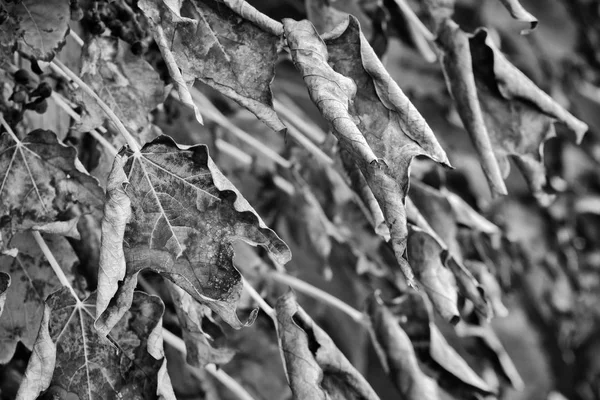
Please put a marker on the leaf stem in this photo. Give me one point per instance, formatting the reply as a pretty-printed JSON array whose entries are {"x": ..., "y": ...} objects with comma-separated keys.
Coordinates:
[
  {"x": 177, "y": 343},
  {"x": 58, "y": 66},
  {"x": 318, "y": 294},
  {"x": 53, "y": 263},
  {"x": 261, "y": 302}
]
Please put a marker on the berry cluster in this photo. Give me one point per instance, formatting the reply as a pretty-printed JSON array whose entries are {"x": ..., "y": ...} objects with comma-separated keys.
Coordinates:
[
  {"x": 28, "y": 96},
  {"x": 120, "y": 18}
]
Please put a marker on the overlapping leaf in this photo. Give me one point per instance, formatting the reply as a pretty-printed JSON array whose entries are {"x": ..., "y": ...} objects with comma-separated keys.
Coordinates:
[
  {"x": 32, "y": 281},
  {"x": 397, "y": 354},
  {"x": 201, "y": 347},
  {"x": 70, "y": 358},
  {"x": 451, "y": 371},
  {"x": 371, "y": 117},
  {"x": 518, "y": 116},
  {"x": 39, "y": 181},
  {"x": 316, "y": 368},
  {"x": 126, "y": 83},
  {"x": 37, "y": 28},
  {"x": 235, "y": 56},
  {"x": 171, "y": 210}
]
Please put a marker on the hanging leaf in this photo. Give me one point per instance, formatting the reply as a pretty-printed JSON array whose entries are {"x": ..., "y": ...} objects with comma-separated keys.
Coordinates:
[
  {"x": 4, "y": 285},
  {"x": 125, "y": 82},
  {"x": 518, "y": 12},
  {"x": 171, "y": 210},
  {"x": 371, "y": 117},
  {"x": 518, "y": 116},
  {"x": 450, "y": 370},
  {"x": 32, "y": 281},
  {"x": 193, "y": 317},
  {"x": 397, "y": 354},
  {"x": 37, "y": 28},
  {"x": 40, "y": 181},
  {"x": 316, "y": 368},
  {"x": 236, "y": 56},
  {"x": 70, "y": 359}
]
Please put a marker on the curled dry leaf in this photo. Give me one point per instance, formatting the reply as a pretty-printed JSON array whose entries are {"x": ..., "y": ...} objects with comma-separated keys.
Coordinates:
[
  {"x": 40, "y": 181},
  {"x": 32, "y": 281},
  {"x": 371, "y": 117},
  {"x": 518, "y": 12},
  {"x": 519, "y": 117},
  {"x": 70, "y": 359},
  {"x": 185, "y": 215},
  {"x": 236, "y": 56},
  {"x": 425, "y": 256},
  {"x": 397, "y": 354},
  {"x": 316, "y": 368},
  {"x": 125, "y": 82},
  {"x": 37, "y": 28},
  {"x": 490, "y": 285},
  {"x": 193, "y": 316}
]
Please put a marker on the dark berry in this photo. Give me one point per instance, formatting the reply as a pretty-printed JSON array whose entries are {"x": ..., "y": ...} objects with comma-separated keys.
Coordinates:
[
  {"x": 44, "y": 90},
  {"x": 35, "y": 67},
  {"x": 98, "y": 28},
  {"x": 137, "y": 48},
  {"x": 19, "y": 96},
  {"x": 39, "y": 106},
  {"x": 22, "y": 77},
  {"x": 76, "y": 13}
]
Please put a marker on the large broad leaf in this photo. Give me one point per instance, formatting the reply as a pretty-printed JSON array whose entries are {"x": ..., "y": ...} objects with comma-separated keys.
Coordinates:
[
  {"x": 70, "y": 359},
  {"x": 371, "y": 117},
  {"x": 127, "y": 83},
  {"x": 194, "y": 319},
  {"x": 415, "y": 316},
  {"x": 38, "y": 28},
  {"x": 519, "y": 117},
  {"x": 316, "y": 368},
  {"x": 32, "y": 281},
  {"x": 235, "y": 56},
  {"x": 171, "y": 210},
  {"x": 397, "y": 354},
  {"x": 39, "y": 181}
]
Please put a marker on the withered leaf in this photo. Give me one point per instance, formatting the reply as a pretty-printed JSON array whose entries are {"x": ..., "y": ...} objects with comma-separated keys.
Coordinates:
[
  {"x": 200, "y": 346},
  {"x": 32, "y": 280},
  {"x": 40, "y": 182},
  {"x": 397, "y": 354},
  {"x": 370, "y": 115},
  {"x": 451, "y": 371},
  {"x": 235, "y": 56},
  {"x": 126, "y": 83},
  {"x": 171, "y": 210},
  {"x": 518, "y": 12},
  {"x": 38, "y": 28},
  {"x": 70, "y": 358},
  {"x": 425, "y": 255},
  {"x": 4, "y": 285},
  {"x": 316, "y": 368},
  {"x": 519, "y": 117}
]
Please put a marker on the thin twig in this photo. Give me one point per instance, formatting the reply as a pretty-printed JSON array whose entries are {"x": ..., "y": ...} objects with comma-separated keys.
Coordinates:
[
  {"x": 261, "y": 302},
  {"x": 233, "y": 152},
  {"x": 178, "y": 344},
  {"x": 54, "y": 264},
  {"x": 288, "y": 109},
  {"x": 318, "y": 294},
  {"x": 56, "y": 65},
  {"x": 412, "y": 17}
]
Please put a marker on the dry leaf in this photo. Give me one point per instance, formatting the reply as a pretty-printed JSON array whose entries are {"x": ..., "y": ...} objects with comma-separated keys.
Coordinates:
[
  {"x": 316, "y": 368},
  {"x": 371, "y": 117},
  {"x": 70, "y": 359},
  {"x": 185, "y": 215},
  {"x": 518, "y": 12},
  {"x": 4, "y": 285}
]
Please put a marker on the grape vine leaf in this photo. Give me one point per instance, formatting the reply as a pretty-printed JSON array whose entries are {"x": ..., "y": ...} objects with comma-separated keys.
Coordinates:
[
  {"x": 369, "y": 114},
  {"x": 397, "y": 354},
  {"x": 236, "y": 56},
  {"x": 40, "y": 181},
  {"x": 170, "y": 209},
  {"x": 194, "y": 318},
  {"x": 70, "y": 358},
  {"x": 415, "y": 316},
  {"x": 316, "y": 368},
  {"x": 37, "y": 28},
  {"x": 519, "y": 117},
  {"x": 32, "y": 281},
  {"x": 128, "y": 84}
]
